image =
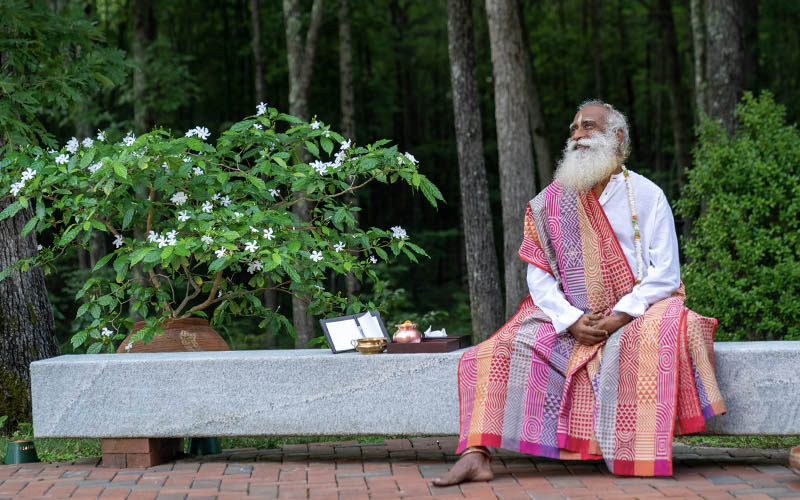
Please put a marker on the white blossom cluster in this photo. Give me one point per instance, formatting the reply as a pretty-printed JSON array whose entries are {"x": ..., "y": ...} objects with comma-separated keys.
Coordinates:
[
  {"x": 399, "y": 233},
  {"x": 118, "y": 241},
  {"x": 72, "y": 145},
  {"x": 170, "y": 239},
  {"x": 339, "y": 158},
  {"x": 105, "y": 332},
  {"x": 129, "y": 139},
  {"x": 201, "y": 132},
  {"x": 261, "y": 109},
  {"x": 410, "y": 158},
  {"x": 27, "y": 175},
  {"x": 94, "y": 167}
]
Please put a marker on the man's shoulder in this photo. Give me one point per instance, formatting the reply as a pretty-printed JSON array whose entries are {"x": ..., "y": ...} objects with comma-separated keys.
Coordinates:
[{"x": 645, "y": 186}]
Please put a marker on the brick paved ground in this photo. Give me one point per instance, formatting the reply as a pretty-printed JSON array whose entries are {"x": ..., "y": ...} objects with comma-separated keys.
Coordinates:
[{"x": 402, "y": 468}]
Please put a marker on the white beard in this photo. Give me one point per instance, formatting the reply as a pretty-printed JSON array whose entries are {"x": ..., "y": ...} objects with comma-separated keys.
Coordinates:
[{"x": 582, "y": 169}]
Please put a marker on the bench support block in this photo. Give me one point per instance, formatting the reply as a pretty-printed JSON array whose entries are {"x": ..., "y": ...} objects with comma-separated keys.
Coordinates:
[{"x": 139, "y": 452}]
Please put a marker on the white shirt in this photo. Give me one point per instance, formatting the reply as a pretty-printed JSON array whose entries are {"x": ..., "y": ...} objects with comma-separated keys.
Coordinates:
[{"x": 662, "y": 274}]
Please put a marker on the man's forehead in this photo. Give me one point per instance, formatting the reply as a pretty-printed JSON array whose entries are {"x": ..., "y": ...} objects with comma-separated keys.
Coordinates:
[{"x": 591, "y": 112}]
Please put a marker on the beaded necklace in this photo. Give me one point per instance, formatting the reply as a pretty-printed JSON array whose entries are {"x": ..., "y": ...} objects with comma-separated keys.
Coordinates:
[{"x": 637, "y": 241}]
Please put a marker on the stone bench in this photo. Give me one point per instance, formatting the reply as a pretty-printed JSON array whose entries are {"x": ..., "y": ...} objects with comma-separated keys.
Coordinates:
[{"x": 144, "y": 404}]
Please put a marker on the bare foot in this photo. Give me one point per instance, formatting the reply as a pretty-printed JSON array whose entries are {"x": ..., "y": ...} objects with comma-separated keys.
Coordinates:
[{"x": 470, "y": 467}]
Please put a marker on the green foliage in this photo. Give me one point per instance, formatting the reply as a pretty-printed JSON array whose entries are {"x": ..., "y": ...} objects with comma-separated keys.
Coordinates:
[
  {"x": 55, "y": 59},
  {"x": 209, "y": 225},
  {"x": 744, "y": 256},
  {"x": 3, "y": 419}
]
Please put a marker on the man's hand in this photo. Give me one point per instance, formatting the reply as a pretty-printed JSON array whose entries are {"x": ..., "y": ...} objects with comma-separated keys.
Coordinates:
[
  {"x": 613, "y": 323},
  {"x": 585, "y": 332}
]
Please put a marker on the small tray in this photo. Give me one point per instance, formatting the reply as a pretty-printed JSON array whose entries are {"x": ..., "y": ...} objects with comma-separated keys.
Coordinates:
[{"x": 443, "y": 344}]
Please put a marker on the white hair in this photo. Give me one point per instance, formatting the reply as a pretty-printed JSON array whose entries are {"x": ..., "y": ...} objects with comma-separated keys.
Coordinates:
[
  {"x": 581, "y": 169},
  {"x": 615, "y": 120}
]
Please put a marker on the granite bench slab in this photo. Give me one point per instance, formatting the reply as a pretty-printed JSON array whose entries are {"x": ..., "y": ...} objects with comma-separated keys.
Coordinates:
[{"x": 314, "y": 392}]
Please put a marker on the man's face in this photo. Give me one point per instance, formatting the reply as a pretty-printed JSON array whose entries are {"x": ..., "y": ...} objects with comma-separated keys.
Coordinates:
[{"x": 587, "y": 122}]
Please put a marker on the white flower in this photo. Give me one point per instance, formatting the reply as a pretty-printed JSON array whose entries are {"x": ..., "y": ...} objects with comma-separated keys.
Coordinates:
[
  {"x": 316, "y": 256},
  {"x": 183, "y": 216},
  {"x": 200, "y": 132},
  {"x": 237, "y": 214},
  {"x": 28, "y": 174},
  {"x": 340, "y": 157},
  {"x": 165, "y": 166},
  {"x": 315, "y": 125},
  {"x": 62, "y": 159},
  {"x": 179, "y": 198},
  {"x": 207, "y": 206},
  {"x": 250, "y": 246},
  {"x": 219, "y": 294},
  {"x": 225, "y": 201},
  {"x": 261, "y": 108},
  {"x": 94, "y": 167},
  {"x": 345, "y": 145},
  {"x": 51, "y": 151},
  {"x": 268, "y": 234},
  {"x": 253, "y": 230},
  {"x": 152, "y": 237},
  {"x": 327, "y": 133},
  {"x": 220, "y": 253},
  {"x": 129, "y": 139},
  {"x": 17, "y": 187},
  {"x": 137, "y": 154},
  {"x": 339, "y": 246},
  {"x": 39, "y": 247},
  {"x": 207, "y": 239},
  {"x": 129, "y": 346},
  {"x": 88, "y": 142},
  {"x": 105, "y": 332},
  {"x": 254, "y": 266},
  {"x": 162, "y": 241},
  {"x": 197, "y": 171},
  {"x": 171, "y": 238},
  {"x": 101, "y": 136},
  {"x": 320, "y": 167},
  {"x": 373, "y": 259},
  {"x": 274, "y": 192},
  {"x": 118, "y": 241},
  {"x": 258, "y": 126},
  {"x": 399, "y": 233},
  {"x": 411, "y": 158},
  {"x": 187, "y": 159},
  {"x": 72, "y": 145},
  {"x": 215, "y": 197}
]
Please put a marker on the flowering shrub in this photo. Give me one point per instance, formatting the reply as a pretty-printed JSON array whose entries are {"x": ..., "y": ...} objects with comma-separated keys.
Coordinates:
[{"x": 210, "y": 226}]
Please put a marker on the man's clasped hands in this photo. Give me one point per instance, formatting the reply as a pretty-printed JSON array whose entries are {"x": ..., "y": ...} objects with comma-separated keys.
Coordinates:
[{"x": 593, "y": 328}]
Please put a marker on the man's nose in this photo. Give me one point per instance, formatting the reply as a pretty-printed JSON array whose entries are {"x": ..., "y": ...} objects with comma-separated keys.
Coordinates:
[{"x": 578, "y": 133}]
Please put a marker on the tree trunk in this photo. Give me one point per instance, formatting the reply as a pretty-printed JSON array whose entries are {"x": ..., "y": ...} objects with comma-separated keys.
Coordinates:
[
  {"x": 486, "y": 303},
  {"x": 726, "y": 59},
  {"x": 699, "y": 57},
  {"x": 143, "y": 36},
  {"x": 681, "y": 125},
  {"x": 258, "y": 51},
  {"x": 347, "y": 108},
  {"x": 515, "y": 157},
  {"x": 541, "y": 146},
  {"x": 27, "y": 332},
  {"x": 301, "y": 64},
  {"x": 599, "y": 86}
]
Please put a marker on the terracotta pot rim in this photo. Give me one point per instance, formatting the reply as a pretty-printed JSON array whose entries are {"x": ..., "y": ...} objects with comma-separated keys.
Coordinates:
[{"x": 175, "y": 323}]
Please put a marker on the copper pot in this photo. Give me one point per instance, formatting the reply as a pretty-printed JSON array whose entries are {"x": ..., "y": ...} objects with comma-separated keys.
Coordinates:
[
  {"x": 407, "y": 333},
  {"x": 180, "y": 335}
]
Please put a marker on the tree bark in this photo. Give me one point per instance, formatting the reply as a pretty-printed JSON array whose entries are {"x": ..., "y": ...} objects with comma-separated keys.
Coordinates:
[
  {"x": 513, "y": 139},
  {"x": 300, "y": 58},
  {"x": 681, "y": 124},
  {"x": 27, "y": 332},
  {"x": 486, "y": 302},
  {"x": 726, "y": 59},
  {"x": 541, "y": 146},
  {"x": 699, "y": 57},
  {"x": 599, "y": 86},
  {"x": 347, "y": 108},
  {"x": 258, "y": 51}
]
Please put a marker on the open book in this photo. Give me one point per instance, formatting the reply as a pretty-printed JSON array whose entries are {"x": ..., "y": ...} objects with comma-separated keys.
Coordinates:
[{"x": 341, "y": 331}]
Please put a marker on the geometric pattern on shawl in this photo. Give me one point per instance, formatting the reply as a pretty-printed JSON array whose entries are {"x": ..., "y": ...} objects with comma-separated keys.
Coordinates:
[{"x": 533, "y": 390}]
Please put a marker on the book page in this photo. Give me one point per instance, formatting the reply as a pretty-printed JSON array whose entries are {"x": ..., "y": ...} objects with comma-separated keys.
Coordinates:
[
  {"x": 342, "y": 332},
  {"x": 370, "y": 325}
]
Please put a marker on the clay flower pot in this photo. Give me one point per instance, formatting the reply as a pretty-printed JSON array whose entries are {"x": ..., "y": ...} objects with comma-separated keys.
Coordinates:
[
  {"x": 794, "y": 458},
  {"x": 180, "y": 335}
]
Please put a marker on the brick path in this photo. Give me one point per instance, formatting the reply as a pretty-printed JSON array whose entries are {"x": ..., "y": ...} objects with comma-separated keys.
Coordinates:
[{"x": 402, "y": 468}]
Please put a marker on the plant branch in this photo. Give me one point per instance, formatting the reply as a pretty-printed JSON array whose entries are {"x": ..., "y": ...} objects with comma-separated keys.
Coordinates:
[{"x": 210, "y": 299}]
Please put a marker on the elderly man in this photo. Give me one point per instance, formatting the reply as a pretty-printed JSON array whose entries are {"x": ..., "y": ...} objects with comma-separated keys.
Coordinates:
[{"x": 602, "y": 360}]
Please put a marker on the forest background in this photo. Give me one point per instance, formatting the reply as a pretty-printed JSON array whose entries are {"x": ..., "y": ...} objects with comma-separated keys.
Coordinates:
[{"x": 384, "y": 69}]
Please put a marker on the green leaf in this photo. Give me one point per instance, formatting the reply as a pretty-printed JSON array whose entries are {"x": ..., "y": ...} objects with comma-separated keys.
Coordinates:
[
  {"x": 293, "y": 246},
  {"x": 69, "y": 235},
  {"x": 120, "y": 170},
  {"x": 138, "y": 255},
  {"x": 195, "y": 144},
  {"x": 258, "y": 183},
  {"x": 126, "y": 219},
  {"x": 218, "y": 264},
  {"x": 430, "y": 191},
  {"x": 82, "y": 309},
  {"x": 94, "y": 348},
  {"x": 415, "y": 179},
  {"x": 79, "y": 338},
  {"x": 231, "y": 235},
  {"x": 105, "y": 300},
  {"x": 326, "y": 144},
  {"x": 166, "y": 252},
  {"x": 102, "y": 262},
  {"x": 10, "y": 210},
  {"x": 312, "y": 148},
  {"x": 153, "y": 256},
  {"x": 30, "y": 225}
]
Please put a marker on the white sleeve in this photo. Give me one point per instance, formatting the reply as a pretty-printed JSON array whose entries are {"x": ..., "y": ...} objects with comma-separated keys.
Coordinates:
[
  {"x": 663, "y": 268},
  {"x": 546, "y": 294}
]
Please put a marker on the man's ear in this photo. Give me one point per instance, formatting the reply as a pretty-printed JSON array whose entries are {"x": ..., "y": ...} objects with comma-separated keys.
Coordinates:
[{"x": 619, "y": 136}]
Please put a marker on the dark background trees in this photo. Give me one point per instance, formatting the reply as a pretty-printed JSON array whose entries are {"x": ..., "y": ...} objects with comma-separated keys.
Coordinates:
[{"x": 660, "y": 62}]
